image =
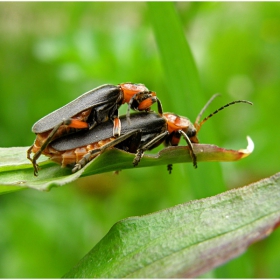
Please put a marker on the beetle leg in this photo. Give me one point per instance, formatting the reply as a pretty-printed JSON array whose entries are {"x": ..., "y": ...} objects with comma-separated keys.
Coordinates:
[
  {"x": 147, "y": 146},
  {"x": 92, "y": 125},
  {"x": 74, "y": 123},
  {"x": 129, "y": 107},
  {"x": 169, "y": 168},
  {"x": 159, "y": 106},
  {"x": 91, "y": 154},
  {"x": 35, "y": 165},
  {"x": 42, "y": 148},
  {"x": 117, "y": 125},
  {"x": 193, "y": 156}
]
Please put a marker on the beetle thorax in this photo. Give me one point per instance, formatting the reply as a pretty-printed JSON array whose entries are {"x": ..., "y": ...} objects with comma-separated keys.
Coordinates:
[
  {"x": 130, "y": 89},
  {"x": 176, "y": 122}
]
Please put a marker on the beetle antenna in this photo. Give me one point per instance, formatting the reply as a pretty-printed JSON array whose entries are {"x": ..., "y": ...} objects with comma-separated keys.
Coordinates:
[
  {"x": 198, "y": 125},
  {"x": 205, "y": 107}
]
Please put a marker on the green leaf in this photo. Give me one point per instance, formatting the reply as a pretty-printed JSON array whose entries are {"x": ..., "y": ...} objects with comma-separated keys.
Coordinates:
[
  {"x": 182, "y": 82},
  {"x": 16, "y": 172},
  {"x": 181, "y": 74},
  {"x": 186, "y": 240}
]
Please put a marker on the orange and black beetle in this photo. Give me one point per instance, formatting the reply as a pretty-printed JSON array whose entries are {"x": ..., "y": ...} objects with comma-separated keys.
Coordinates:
[{"x": 87, "y": 111}]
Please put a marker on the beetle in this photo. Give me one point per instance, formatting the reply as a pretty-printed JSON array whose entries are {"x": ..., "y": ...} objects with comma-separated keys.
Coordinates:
[
  {"x": 87, "y": 111},
  {"x": 147, "y": 131}
]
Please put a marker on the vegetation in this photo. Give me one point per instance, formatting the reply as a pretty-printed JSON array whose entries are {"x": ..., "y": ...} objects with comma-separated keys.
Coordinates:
[{"x": 52, "y": 52}]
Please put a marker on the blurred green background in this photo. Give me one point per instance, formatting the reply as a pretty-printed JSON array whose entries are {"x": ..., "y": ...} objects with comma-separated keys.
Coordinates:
[{"x": 50, "y": 53}]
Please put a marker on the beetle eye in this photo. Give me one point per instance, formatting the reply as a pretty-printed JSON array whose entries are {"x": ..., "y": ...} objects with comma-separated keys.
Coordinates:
[{"x": 191, "y": 131}]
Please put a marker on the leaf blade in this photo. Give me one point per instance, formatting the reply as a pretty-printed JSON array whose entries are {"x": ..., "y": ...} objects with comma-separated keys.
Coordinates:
[
  {"x": 182, "y": 82},
  {"x": 188, "y": 239},
  {"x": 18, "y": 172}
]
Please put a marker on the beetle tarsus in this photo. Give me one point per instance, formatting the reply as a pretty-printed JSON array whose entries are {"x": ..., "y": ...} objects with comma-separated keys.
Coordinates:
[
  {"x": 36, "y": 169},
  {"x": 169, "y": 168},
  {"x": 92, "y": 125},
  {"x": 76, "y": 168},
  {"x": 138, "y": 157}
]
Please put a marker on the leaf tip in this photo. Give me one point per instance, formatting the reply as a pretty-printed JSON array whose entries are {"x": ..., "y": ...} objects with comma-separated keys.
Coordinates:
[{"x": 250, "y": 148}]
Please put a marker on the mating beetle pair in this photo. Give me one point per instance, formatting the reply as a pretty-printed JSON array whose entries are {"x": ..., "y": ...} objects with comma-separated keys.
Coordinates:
[
  {"x": 142, "y": 131},
  {"x": 87, "y": 111},
  {"x": 146, "y": 131}
]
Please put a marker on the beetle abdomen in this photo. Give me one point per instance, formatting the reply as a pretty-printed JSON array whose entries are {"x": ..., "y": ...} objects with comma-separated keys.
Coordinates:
[{"x": 73, "y": 156}]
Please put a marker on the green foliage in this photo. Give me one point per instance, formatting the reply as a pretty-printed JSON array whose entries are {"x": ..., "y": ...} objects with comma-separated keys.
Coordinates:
[
  {"x": 17, "y": 172},
  {"x": 188, "y": 239},
  {"x": 53, "y": 52}
]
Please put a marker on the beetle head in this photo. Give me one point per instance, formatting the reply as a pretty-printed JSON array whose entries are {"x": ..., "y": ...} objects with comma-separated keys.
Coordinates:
[
  {"x": 176, "y": 123},
  {"x": 130, "y": 89}
]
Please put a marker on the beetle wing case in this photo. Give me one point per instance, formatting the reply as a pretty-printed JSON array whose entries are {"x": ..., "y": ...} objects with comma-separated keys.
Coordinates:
[
  {"x": 93, "y": 98},
  {"x": 146, "y": 122}
]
